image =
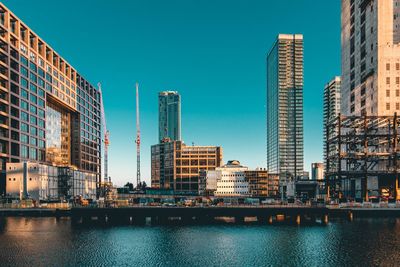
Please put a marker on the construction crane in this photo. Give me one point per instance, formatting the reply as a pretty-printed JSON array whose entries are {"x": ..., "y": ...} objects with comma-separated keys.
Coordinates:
[
  {"x": 106, "y": 133},
  {"x": 137, "y": 141}
]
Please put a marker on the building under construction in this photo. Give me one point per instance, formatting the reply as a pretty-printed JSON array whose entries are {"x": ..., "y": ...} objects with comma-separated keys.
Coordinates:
[{"x": 362, "y": 157}]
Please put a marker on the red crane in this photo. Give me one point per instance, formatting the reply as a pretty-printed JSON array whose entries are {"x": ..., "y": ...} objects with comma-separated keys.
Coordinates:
[
  {"x": 137, "y": 141},
  {"x": 106, "y": 133}
]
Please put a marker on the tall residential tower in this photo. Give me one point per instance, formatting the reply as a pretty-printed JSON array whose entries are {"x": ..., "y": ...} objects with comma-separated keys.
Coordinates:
[
  {"x": 285, "y": 107},
  {"x": 370, "y": 57},
  {"x": 331, "y": 106},
  {"x": 169, "y": 116}
]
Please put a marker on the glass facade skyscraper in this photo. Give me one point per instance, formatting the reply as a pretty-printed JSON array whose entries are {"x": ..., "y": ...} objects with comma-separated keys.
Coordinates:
[
  {"x": 169, "y": 116},
  {"x": 285, "y": 107},
  {"x": 49, "y": 114}
]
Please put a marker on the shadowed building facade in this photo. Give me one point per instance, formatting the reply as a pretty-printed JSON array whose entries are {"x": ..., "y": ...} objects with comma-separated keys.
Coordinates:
[{"x": 169, "y": 115}]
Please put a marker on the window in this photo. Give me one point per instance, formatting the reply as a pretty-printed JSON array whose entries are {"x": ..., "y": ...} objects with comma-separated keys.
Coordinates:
[
  {"x": 363, "y": 90},
  {"x": 387, "y": 93},
  {"x": 24, "y": 138},
  {"x": 41, "y": 72},
  {"x": 24, "y": 151},
  {"x": 41, "y": 93},
  {"x": 33, "y": 109},
  {"x": 41, "y": 124},
  {"x": 41, "y": 113},
  {"x": 397, "y": 92},
  {"x": 387, "y": 80},
  {"x": 24, "y": 83},
  {"x": 33, "y": 88},
  {"x": 397, "y": 66},
  {"x": 24, "y": 94},
  {"x": 24, "y": 72},
  {"x": 387, "y": 66},
  {"x": 33, "y": 77},
  {"x": 33, "y": 67},
  {"x": 33, "y": 141},
  {"x": 24, "y": 116},
  {"x": 24, "y": 105},
  {"x": 33, "y": 120},
  {"x": 41, "y": 103},
  {"x": 397, "y": 80},
  {"x": 33, "y": 99},
  {"x": 41, "y": 144},
  {"x": 24, "y": 127},
  {"x": 41, "y": 134},
  {"x": 33, "y": 153},
  {"x": 24, "y": 61},
  {"x": 387, "y": 106},
  {"x": 33, "y": 130},
  {"x": 397, "y": 106}
]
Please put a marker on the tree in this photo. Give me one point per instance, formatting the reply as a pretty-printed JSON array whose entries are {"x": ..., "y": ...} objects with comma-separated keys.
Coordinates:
[
  {"x": 143, "y": 186},
  {"x": 129, "y": 185}
]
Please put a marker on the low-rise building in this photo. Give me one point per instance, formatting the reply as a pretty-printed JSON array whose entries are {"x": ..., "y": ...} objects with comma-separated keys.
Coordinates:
[
  {"x": 231, "y": 180},
  {"x": 262, "y": 183},
  {"x": 28, "y": 180},
  {"x": 223, "y": 181},
  {"x": 174, "y": 165}
]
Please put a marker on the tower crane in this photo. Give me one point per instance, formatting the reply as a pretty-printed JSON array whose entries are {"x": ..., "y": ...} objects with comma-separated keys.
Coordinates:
[
  {"x": 137, "y": 141},
  {"x": 106, "y": 133}
]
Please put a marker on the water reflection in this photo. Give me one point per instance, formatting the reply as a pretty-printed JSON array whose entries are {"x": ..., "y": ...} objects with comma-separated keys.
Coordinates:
[{"x": 51, "y": 242}]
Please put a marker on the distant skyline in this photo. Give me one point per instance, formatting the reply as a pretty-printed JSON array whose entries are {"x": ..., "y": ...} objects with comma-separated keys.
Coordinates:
[{"x": 212, "y": 52}]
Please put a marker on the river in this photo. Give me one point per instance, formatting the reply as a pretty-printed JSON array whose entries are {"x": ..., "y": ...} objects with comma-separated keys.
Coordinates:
[{"x": 52, "y": 242}]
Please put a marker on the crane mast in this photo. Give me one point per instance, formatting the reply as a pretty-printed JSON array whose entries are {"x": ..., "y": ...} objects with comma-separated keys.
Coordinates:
[
  {"x": 106, "y": 135},
  {"x": 137, "y": 141}
]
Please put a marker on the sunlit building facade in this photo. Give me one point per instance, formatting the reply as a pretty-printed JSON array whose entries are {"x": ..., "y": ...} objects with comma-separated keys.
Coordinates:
[
  {"x": 177, "y": 166},
  {"x": 262, "y": 183},
  {"x": 49, "y": 114},
  {"x": 370, "y": 37},
  {"x": 285, "y": 107},
  {"x": 231, "y": 180}
]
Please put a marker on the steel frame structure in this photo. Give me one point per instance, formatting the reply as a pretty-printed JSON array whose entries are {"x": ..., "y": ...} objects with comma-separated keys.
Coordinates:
[{"x": 361, "y": 148}]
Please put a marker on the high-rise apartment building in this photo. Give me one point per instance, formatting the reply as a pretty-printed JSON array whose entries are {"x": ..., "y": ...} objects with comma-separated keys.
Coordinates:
[
  {"x": 49, "y": 114},
  {"x": 177, "y": 166},
  {"x": 169, "y": 116},
  {"x": 331, "y": 106},
  {"x": 285, "y": 107},
  {"x": 370, "y": 57}
]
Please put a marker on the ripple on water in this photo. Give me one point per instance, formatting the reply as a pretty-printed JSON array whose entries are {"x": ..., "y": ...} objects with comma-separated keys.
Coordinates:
[{"x": 48, "y": 242}]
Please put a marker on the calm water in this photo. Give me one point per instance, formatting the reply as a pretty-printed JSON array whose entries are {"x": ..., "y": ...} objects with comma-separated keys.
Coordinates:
[{"x": 48, "y": 242}]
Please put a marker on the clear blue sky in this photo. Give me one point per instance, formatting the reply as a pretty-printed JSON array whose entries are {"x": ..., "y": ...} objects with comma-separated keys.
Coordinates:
[{"x": 212, "y": 51}]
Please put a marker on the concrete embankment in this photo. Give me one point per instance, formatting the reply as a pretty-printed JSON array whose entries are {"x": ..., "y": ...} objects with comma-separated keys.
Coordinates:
[{"x": 35, "y": 212}]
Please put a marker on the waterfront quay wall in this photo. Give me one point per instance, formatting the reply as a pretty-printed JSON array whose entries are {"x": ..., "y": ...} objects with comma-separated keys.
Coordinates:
[
  {"x": 163, "y": 215},
  {"x": 187, "y": 215}
]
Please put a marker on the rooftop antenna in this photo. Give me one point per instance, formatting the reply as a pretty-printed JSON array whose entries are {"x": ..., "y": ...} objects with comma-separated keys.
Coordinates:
[{"x": 137, "y": 141}]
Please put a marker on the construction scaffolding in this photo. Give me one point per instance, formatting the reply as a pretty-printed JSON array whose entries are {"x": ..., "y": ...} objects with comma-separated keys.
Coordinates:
[{"x": 362, "y": 157}]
